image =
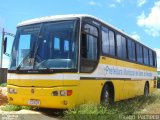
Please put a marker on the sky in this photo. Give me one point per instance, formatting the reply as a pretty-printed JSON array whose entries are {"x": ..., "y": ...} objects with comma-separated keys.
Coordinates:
[{"x": 138, "y": 18}]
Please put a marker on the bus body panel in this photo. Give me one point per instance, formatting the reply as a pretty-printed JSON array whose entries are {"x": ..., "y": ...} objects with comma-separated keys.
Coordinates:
[{"x": 84, "y": 90}]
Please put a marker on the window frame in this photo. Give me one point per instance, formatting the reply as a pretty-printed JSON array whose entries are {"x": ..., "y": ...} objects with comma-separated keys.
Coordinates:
[{"x": 94, "y": 63}]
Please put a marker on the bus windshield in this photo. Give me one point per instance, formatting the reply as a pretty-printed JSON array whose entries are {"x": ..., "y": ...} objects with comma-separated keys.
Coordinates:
[{"x": 51, "y": 45}]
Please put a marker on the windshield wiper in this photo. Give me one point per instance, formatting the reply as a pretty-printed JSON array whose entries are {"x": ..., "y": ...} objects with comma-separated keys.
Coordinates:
[
  {"x": 42, "y": 63},
  {"x": 37, "y": 44}
]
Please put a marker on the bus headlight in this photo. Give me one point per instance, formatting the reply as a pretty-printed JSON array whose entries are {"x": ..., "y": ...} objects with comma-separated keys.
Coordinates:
[
  {"x": 63, "y": 93},
  {"x": 12, "y": 91}
]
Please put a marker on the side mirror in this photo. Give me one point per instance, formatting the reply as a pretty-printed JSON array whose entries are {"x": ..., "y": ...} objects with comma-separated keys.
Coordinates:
[{"x": 5, "y": 45}]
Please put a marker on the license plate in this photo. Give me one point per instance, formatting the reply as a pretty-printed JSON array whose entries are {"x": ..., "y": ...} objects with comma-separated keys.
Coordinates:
[{"x": 34, "y": 102}]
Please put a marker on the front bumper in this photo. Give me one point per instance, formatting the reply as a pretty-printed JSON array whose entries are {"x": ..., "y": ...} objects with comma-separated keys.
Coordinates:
[{"x": 43, "y": 95}]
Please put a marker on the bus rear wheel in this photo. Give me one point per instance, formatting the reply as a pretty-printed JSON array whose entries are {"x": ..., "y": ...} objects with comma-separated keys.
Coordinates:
[
  {"x": 106, "y": 95},
  {"x": 146, "y": 89}
]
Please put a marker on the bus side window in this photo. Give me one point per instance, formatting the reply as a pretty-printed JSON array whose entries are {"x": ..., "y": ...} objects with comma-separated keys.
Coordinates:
[
  {"x": 150, "y": 57},
  {"x": 139, "y": 53},
  {"x": 145, "y": 54},
  {"x": 108, "y": 41},
  {"x": 131, "y": 50},
  {"x": 89, "y": 48},
  {"x": 154, "y": 59},
  {"x": 121, "y": 46},
  {"x": 84, "y": 46}
]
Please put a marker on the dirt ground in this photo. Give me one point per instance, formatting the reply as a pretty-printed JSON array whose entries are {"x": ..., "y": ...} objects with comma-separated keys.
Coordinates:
[
  {"x": 25, "y": 115},
  {"x": 3, "y": 95}
]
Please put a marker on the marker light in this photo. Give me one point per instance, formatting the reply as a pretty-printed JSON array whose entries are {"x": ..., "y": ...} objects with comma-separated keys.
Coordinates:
[
  {"x": 69, "y": 92},
  {"x": 12, "y": 91},
  {"x": 55, "y": 93}
]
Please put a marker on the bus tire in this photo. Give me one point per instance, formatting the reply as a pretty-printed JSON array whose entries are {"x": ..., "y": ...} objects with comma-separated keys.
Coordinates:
[
  {"x": 146, "y": 89},
  {"x": 107, "y": 95}
]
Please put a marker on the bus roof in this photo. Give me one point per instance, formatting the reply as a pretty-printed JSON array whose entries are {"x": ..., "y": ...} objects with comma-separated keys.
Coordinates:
[
  {"x": 68, "y": 17},
  {"x": 51, "y": 18},
  {"x": 63, "y": 17}
]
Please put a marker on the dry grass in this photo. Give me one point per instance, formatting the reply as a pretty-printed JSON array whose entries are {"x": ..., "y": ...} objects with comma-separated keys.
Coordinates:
[
  {"x": 135, "y": 106},
  {"x": 153, "y": 107}
]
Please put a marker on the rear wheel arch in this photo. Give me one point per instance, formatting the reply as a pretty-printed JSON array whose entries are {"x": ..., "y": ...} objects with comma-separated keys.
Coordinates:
[
  {"x": 146, "y": 88},
  {"x": 108, "y": 86}
]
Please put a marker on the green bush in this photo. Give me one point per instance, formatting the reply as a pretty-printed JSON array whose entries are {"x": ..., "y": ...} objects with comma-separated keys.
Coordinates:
[
  {"x": 15, "y": 107},
  {"x": 26, "y": 107},
  {"x": 3, "y": 85}
]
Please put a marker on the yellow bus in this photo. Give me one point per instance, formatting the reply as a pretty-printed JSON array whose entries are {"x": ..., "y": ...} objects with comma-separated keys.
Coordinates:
[{"x": 64, "y": 61}]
